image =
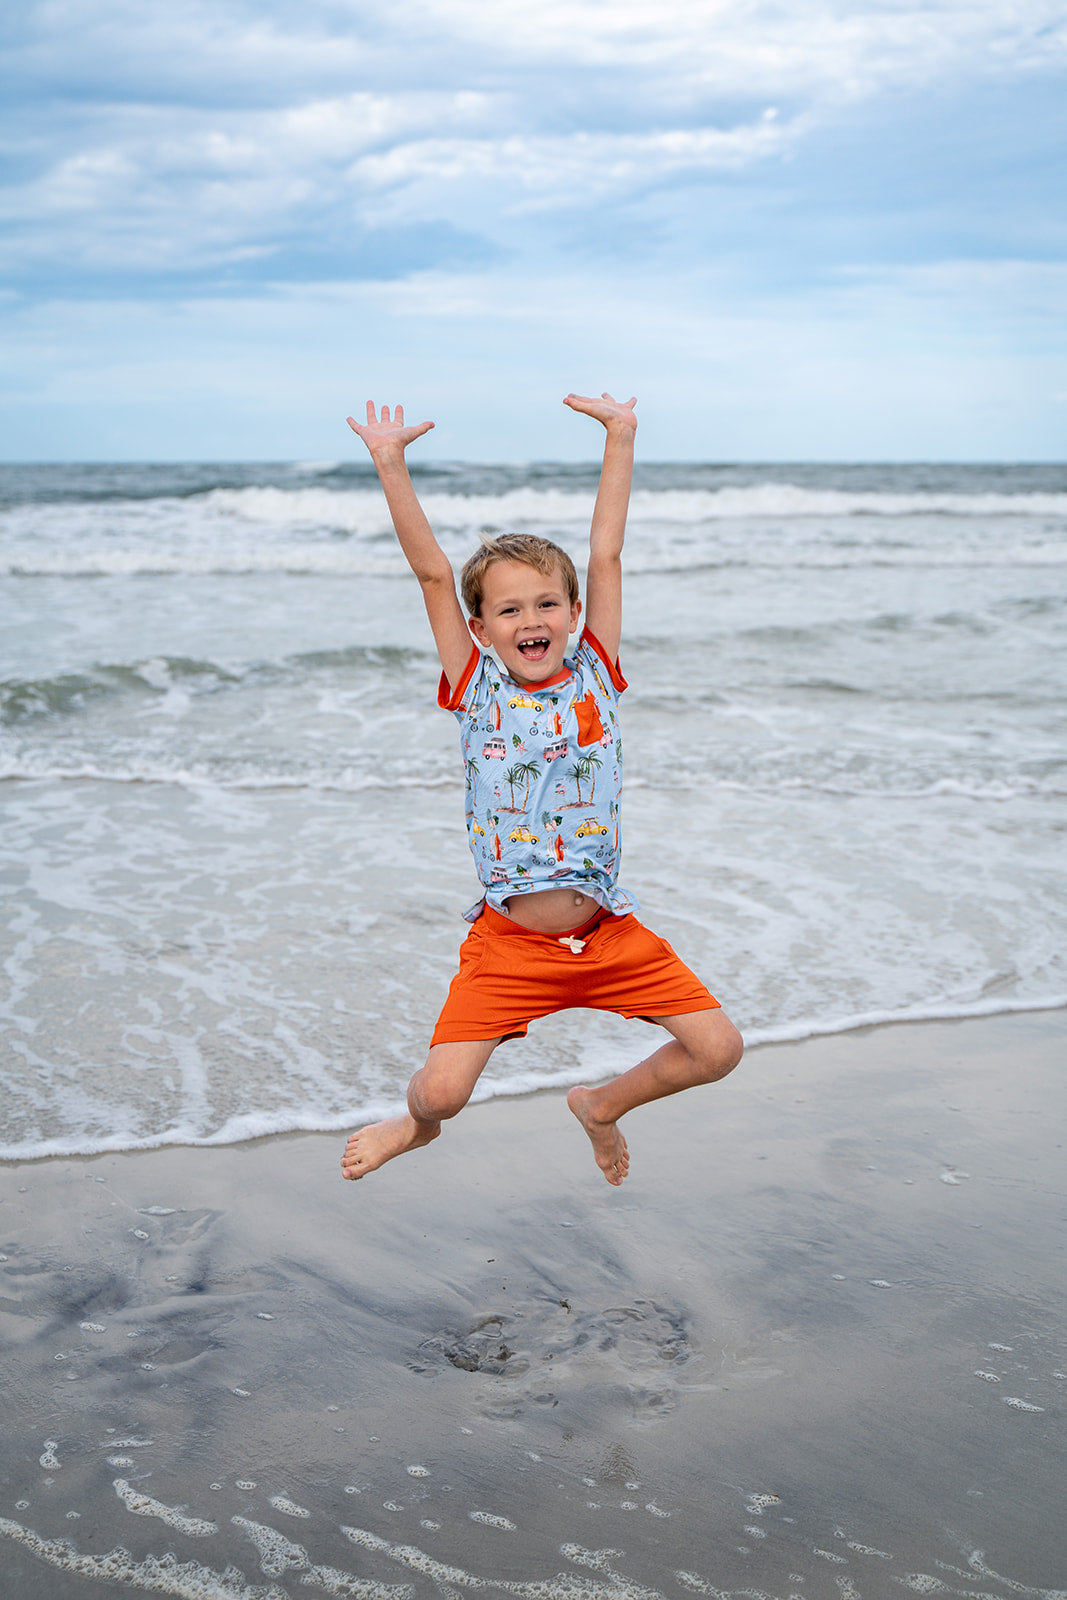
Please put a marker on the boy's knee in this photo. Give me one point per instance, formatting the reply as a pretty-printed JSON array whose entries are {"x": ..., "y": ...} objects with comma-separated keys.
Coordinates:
[
  {"x": 722, "y": 1049},
  {"x": 442, "y": 1087},
  {"x": 434, "y": 1100}
]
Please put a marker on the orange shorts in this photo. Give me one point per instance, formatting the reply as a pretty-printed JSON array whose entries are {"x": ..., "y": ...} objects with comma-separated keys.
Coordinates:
[{"x": 508, "y": 976}]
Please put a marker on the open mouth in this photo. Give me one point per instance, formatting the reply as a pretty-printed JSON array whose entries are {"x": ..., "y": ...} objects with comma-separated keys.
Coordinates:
[{"x": 533, "y": 649}]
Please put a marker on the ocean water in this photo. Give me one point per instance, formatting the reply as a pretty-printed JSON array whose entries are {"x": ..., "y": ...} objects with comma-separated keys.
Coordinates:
[{"x": 231, "y": 816}]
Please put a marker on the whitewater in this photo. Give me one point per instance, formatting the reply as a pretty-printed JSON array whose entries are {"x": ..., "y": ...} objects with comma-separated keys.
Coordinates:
[{"x": 231, "y": 816}]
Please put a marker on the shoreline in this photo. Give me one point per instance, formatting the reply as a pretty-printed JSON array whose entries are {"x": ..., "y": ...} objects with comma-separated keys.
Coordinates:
[
  {"x": 812, "y": 1346},
  {"x": 486, "y": 1093}
]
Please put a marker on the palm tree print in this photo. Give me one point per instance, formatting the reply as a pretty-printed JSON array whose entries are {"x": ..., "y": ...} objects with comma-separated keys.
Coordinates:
[
  {"x": 589, "y": 763},
  {"x": 529, "y": 769},
  {"x": 577, "y": 772}
]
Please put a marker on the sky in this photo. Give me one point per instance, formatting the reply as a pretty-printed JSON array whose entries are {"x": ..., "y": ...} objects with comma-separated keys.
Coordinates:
[{"x": 808, "y": 230}]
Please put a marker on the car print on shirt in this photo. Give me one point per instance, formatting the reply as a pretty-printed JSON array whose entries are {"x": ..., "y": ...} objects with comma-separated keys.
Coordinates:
[
  {"x": 522, "y": 835},
  {"x": 556, "y": 751},
  {"x": 494, "y": 750},
  {"x": 590, "y": 826},
  {"x": 525, "y": 700}
]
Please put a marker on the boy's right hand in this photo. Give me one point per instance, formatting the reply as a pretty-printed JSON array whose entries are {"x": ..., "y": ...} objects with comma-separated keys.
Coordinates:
[{"x": 384, "y": 436}]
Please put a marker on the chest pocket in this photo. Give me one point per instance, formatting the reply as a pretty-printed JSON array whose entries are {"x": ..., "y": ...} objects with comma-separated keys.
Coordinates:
[{"x": 590, "y": 727}]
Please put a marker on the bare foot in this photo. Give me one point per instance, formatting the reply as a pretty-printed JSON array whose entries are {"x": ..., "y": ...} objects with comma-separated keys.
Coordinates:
[
  {"x": 609, "y": 1146},
  {"x": 372, "y": 1147}
]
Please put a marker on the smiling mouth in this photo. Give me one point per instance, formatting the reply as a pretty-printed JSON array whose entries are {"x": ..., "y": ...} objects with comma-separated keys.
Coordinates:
[{"x": 533, "y": 649}]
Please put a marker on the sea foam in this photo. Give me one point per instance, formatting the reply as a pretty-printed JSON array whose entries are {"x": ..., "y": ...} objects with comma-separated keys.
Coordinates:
[{"x": 234, "y": 847}]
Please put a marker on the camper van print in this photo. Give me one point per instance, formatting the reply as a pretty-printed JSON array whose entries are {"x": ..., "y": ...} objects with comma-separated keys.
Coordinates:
[
  {"x": 556, "y": 751},
  {"x": 494, "y": 749}
]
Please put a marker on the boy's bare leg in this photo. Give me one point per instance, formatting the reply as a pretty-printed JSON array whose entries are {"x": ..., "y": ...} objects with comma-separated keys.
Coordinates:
[
  {"x": 437, "y": 1091},
  {"x": 705, "y": 1047}
]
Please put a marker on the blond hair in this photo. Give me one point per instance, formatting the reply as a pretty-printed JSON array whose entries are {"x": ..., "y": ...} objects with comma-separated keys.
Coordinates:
[{"x": 530, "y": 549}]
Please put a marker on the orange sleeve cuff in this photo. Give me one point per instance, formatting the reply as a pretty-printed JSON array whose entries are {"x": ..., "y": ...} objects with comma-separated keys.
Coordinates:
[
  {"x": 450, "y": 699},
  {"x": 613, "y": 669}
]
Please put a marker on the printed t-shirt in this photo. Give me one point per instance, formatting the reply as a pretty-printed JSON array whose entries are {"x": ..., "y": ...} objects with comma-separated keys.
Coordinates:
[{"x": 544, "y": 774}]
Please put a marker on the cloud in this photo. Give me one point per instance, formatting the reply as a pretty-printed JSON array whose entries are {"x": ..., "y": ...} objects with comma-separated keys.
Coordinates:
[
  {"x": 207, "y": 144},
  {"x": 212, "y": 211},
  {"x": 795, "y": 47},
  {"x": 677, "y": 47},
  {"x": 527, "y": 172},
  {"x": 179, "y": 191}
]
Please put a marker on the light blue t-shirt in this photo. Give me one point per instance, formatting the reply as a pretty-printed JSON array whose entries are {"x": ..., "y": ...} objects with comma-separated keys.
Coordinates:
[{"x": 544, "y": 775}]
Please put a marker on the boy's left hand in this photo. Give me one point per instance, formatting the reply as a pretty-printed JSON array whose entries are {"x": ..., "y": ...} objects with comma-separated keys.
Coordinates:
[{"x": 611, "y": 412}]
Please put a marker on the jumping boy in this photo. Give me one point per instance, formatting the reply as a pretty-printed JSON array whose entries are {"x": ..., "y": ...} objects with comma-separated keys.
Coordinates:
[{"x": 554, "y": 928}]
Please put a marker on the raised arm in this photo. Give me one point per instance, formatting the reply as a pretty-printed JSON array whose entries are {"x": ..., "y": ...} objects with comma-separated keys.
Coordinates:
[
  {"x": 387, "y": 440},
  {"x": 603, "y": 595}
]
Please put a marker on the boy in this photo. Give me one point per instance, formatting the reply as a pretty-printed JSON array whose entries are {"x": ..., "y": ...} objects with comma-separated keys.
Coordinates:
[{"x": 553, "y": 929}]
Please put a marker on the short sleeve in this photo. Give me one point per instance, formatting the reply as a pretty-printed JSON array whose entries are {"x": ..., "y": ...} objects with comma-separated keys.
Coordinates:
[
  {"x": 450, "y": 699},
  {"x": 592, "y": 643}
]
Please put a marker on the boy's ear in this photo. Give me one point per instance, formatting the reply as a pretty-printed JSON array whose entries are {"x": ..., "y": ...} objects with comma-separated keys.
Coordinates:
[
  {"x": 576, "y": 611},
  {"x": 477, "y": 627}
]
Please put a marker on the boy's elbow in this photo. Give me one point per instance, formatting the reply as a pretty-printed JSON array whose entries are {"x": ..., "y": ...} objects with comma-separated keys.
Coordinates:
[{"x": 436, "y": 578}]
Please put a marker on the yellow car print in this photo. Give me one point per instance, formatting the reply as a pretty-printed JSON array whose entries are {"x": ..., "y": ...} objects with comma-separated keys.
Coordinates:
[
  {"x": 521, "y": 835},
  {"x": 518, "y": 700},
  {"x": 584, "y": 829},
  {"x": 476, "y": 827}
]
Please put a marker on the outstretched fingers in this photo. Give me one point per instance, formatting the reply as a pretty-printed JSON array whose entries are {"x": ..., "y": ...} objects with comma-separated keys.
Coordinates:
[
  {"x": 387, "y": 430},
  {"x": 606, "y": 409}
]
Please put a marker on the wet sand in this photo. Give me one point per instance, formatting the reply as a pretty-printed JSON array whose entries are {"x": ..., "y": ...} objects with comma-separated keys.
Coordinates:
[{"x": 813, "y": 1347}]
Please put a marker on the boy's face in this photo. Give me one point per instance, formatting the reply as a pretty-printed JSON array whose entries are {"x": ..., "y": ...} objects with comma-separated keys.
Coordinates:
[{"x": 526, "y": 619}]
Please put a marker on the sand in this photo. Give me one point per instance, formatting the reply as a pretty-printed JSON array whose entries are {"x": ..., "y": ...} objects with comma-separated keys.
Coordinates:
[{"x": 812, "y": 1348}]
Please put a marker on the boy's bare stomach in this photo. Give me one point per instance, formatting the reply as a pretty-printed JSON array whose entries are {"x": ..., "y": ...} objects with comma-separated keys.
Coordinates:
[{"x": 552, "y": 910}]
